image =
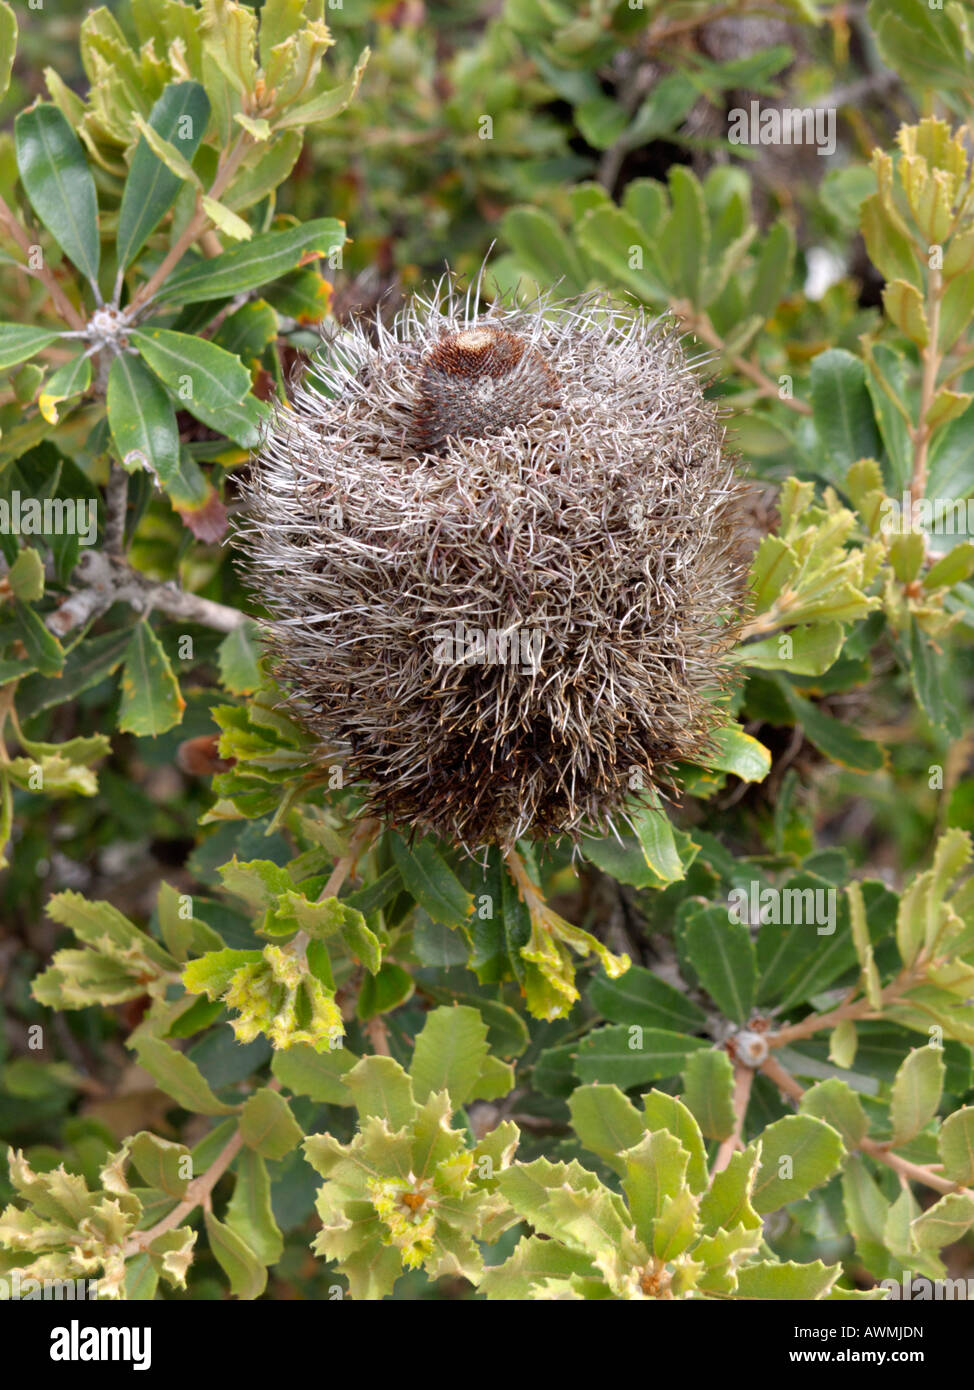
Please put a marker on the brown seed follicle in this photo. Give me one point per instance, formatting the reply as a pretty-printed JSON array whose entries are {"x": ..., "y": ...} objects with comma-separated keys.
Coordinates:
[{"x": 477, "y": 382}]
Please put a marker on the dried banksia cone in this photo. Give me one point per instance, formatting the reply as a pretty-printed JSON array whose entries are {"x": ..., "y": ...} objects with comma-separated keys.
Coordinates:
[{"x": 501, "y": 553}]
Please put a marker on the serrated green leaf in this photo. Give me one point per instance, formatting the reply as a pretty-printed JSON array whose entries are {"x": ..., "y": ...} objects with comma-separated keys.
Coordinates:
[
  {"x": 318, "y": 1075},
  {"x": 606, "y": 1122},
  {"x": 836, "y": 1103},
  {"x": 380, "y": 1087},
  {"x": 534, "y": 1261},
  {"x": 945, "y": 1222},
  {"x": 655, "y": 1170},
  {"x": 238, "y": 655},
  {"x": 798, "y": 1153},
  {"x": 842, "y": 410},
  {"x": 860, "y": 937},
  {"x": 662, "y": 1111},
  {"x": 161, "y": 1163},
  {"x": 249, "y": 1213},
  {"x": 431, "y": 881},
  {"x": 26, "y": 576},
  {"x": 955, "y": 1143},
  {"x": 773, "y": 1279},
  {"x": 449, "y": 1054},
  {"x": 722, "y": 953},
  {"x": 728, "y": 1202},
  {"x": 606, "y": 1055},
  {"x": 641, "y": 997}
]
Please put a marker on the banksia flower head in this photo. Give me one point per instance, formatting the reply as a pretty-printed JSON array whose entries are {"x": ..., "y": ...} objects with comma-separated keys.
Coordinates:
[{"x": 500, "y": 550}]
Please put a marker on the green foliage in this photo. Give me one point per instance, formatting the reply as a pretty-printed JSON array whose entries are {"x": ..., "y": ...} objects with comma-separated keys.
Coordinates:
[
  {"x": 244, "y": 1020},
  {"x": 409, "y": 1191},
  {"x": 667, "y": 1234}
]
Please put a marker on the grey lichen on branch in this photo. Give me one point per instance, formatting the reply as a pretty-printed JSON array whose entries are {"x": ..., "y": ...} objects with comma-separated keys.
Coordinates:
[{"x": 105, "y": 579}]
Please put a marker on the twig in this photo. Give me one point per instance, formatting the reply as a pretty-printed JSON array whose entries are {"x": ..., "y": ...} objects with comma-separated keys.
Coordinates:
[
  {"x": 917, "y": 1172},
  {"x": 783, "y": 1079},
  {"x": 630, "y": 93},
  {"x": 928, "y": 389},
  {"x": 700, "y": 324},
  {"x": 61, "y": 302},
  {"x": 378, "y": 1035},
  {"x": 359, "y": 840},
  {"x": 659, "y": 33},
  {"x": 199, "y": 223},
  {"x": 107, "y": 581},
  {"x": 850, "y": 1008},
  {"x": 197, "y": 1193},
  {"x": 743, "y": 1081},
  {"x": 116, "y": 506}
]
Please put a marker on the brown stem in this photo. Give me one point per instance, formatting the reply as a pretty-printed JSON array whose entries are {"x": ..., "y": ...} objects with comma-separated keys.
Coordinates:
[
  {"x": 530, "y": 895},
  {"x": 916, "y": 1172},
  {"x": 61, "y": 302},
  {"x": 928, "y": 390},
  {"x": 359, "y": 841},
  {"x": 817, "y": 1023},
  {"x": 743, "y": 1081},
  {"x": 378, "y": 1035},
  {"x": 700, "y": 324},
  {"x": 784, "y": 1080},
  {"x": 659, "y": 33},
  {"x": 850, "y": 1008},
  {"x": 197, "y": 1193},
  {"x": 197, "y": 225}
]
